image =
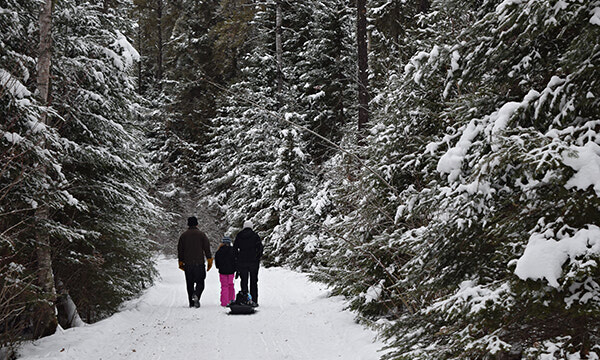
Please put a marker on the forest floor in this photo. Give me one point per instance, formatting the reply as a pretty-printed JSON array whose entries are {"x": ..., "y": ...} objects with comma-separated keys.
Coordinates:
[{"x": 296, "y": 320}]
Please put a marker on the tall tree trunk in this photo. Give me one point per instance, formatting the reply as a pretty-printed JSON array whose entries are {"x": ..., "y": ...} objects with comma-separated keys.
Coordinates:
[
  {"x": 45, "y": 55},
  {"x": 139, "y": 39},
  {"x": 139, "y": 48},
  {"x": 279, "y": 51},
  {"x": 46, "y": 317},
  {"x": 363, "y": 71},
  {"x": 159, "y": 13}
]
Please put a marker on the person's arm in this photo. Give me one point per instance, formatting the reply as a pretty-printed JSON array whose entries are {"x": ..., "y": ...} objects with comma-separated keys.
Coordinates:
[
  {"x": 206, "y": 246},
  {"x": 259, "y": 248},
  {"x": 207, "y": 253},
  {"x": 236, "y": 249},
  {"x": 218, "y": 256},
  {"x": 235, "y": 256},
  {"x": 180, "y": 252}
]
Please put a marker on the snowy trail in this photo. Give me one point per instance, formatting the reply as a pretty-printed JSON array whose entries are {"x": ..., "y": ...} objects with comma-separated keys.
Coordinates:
[{"x": 295, "y": 320}]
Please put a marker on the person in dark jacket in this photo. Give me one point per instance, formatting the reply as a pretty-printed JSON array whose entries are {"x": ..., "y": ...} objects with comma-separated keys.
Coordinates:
[
  {"x": 192, "y": 248},
  {"x": 225, "y": 262},
  {"x": 248, "y": 250}
]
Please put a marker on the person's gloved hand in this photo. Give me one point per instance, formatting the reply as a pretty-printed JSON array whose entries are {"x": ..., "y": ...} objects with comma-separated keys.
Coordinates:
[
  {"x": 210, "y": 261},
  {"x": 181, "y": 265}
]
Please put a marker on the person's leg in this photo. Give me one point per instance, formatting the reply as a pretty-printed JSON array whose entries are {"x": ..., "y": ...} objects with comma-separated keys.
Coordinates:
[
  {"x": 254, "y": 282},
  {"x": 224, "y": 279},
  {"x": 189, "y": 282},
  {"x": 244, "y": 273},
  {"x": 230, "y": 288},
  {"x": 200, "y": 273}
]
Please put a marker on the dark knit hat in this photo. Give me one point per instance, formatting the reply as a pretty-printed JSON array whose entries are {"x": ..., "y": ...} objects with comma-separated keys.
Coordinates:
[{"x": 192, "y": 221}]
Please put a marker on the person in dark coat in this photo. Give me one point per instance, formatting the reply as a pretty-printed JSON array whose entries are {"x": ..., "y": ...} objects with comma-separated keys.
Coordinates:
[
  {"x": 192, "y": 248},
  {"x": 225, "y": 262},
  {"x": 248, "y": 249}
]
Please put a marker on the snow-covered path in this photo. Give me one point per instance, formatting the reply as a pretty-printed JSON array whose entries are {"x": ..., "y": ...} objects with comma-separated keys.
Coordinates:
[{"x": 295, "y": 320}]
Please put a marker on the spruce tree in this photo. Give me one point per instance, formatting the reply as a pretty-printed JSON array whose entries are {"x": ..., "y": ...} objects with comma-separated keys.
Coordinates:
[
  {"x": 258, "y": 161},
  {"x": 102, "y": 230},
  {"x": 499, "y": 168},
  {"x": 26, "y": 144},
  {"x": 322, "y": 71}
]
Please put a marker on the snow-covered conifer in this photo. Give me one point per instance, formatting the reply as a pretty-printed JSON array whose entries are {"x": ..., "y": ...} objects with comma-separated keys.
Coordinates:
[{"x": 101, "y": 230}]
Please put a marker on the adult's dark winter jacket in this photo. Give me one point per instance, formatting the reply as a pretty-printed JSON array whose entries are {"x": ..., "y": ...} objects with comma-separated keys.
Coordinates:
[
  {"x": 225, "y": 260},
  {"x": 248, "y": 247},
  {"x": 193, "y": 247}
]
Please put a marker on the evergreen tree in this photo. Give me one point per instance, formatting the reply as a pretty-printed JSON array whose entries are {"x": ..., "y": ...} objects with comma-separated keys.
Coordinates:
[
  {"x": 464, "y": 224},
  {"x": 258, "y": 162},
  {"x": 94, "y": 183},
  {"x": 472, "y": 134},
  {"x": 189, "y": 61},
  {"x": 26, "y": 144},
  {"x": 187, "y": 103},
  {"x": 104, "y": 225},
  {"x": 496, "y": 184},
  {"x": 322, "y": 71}
]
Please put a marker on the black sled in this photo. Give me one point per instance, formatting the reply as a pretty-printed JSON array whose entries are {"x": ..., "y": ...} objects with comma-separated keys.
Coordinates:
[
  {"x": 235, "y": 309},
  {"x": 242, "y": 305}
]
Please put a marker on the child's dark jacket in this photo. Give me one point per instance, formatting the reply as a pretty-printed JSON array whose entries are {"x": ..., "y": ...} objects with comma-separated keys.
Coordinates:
[{"x": 225, "y": 260}]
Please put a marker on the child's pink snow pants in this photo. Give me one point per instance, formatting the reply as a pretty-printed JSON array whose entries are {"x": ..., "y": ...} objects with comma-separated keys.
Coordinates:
[{"x": 227, "y": 290}]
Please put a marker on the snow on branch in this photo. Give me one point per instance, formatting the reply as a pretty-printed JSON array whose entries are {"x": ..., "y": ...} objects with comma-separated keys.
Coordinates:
[
  {"x": 546, "y": 253},
  {"x": 13, "y": 85}
]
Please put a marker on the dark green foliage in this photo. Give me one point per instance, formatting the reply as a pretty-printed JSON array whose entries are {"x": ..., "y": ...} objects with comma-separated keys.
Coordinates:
[
  {"x": 104, "y": 170},
  {"x": 484, "y": 122},
  {"x": 26, "y": 146},
  {"x": 472, "y": 133},
  {"x": 510, "y": 183},
  {"x": 320, "y": 51},
  {"x": 85, "y": 167}
]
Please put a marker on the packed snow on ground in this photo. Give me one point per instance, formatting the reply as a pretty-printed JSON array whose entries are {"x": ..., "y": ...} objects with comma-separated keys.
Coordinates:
[{"x": 296, "y": 320}]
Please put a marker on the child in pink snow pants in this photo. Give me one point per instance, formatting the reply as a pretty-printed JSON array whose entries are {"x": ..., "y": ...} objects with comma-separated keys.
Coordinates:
[
  {"x": 227, "y": 290},
  {"x": 225, "y": 262}
]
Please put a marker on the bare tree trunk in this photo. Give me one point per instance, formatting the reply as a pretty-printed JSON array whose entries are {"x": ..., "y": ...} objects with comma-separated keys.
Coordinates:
[
  {"x": 363, "y": 71},
  {"x": 279, "y": 50},
  {"x": 46, "y": 317},
  {"x": 45, "y": 55},
  {"x": 159, "y": 11}
]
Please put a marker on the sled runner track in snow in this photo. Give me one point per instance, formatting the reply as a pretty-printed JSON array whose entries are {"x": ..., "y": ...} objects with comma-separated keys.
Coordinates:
[{"x": 296, "y": 320}]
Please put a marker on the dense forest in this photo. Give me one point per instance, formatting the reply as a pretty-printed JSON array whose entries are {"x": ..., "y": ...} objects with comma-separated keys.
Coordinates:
[{"x": 436, "y": 162}]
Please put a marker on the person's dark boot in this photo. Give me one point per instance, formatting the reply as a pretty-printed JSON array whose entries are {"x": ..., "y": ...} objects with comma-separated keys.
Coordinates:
[{"x": 196, "y": 301}]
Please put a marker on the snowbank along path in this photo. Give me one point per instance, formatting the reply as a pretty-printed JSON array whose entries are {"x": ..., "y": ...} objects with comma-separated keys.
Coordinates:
[{"x": 295, "y": 320}]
